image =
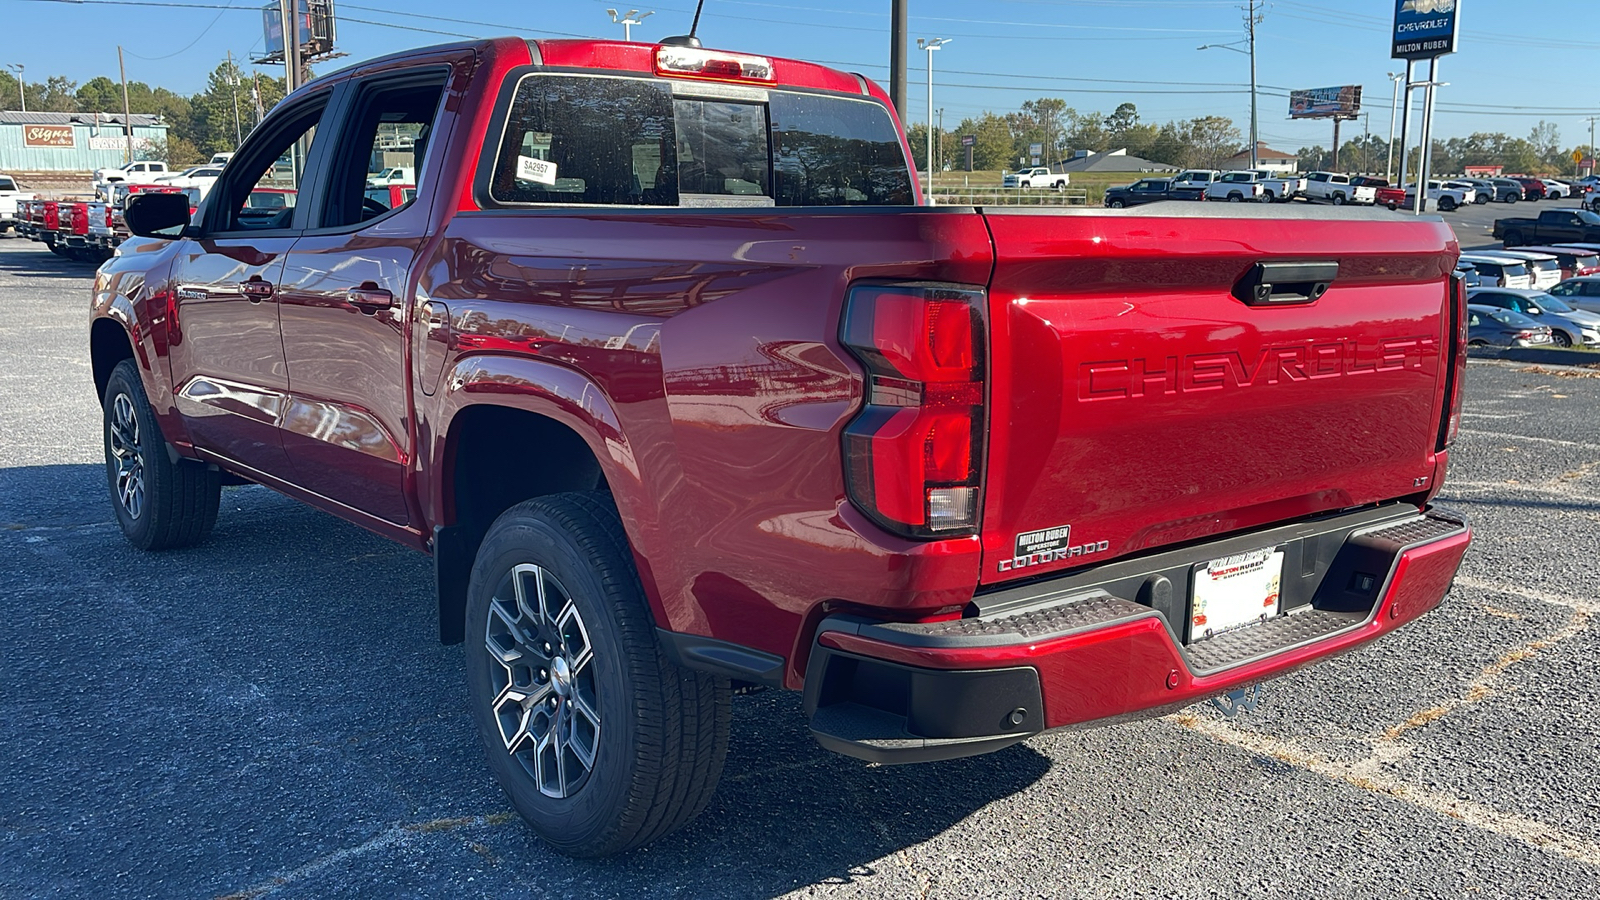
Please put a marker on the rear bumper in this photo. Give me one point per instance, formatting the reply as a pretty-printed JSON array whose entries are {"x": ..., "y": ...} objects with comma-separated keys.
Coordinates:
[{"x": 1109, "y": 645}]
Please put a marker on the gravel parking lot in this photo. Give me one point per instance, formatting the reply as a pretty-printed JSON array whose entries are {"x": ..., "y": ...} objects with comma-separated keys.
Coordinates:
[{"x": 269, "y": 714}]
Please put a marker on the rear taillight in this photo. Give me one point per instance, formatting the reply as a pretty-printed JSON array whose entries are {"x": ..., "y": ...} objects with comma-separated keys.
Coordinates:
[
  {"x": 1524, "y": 334},
  {"x": 1456, "y": 372},
  {"x": 914, "y": 453}
]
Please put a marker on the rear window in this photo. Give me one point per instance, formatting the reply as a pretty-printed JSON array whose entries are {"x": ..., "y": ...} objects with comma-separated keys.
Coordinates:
[{"x": 595, "y": 140}]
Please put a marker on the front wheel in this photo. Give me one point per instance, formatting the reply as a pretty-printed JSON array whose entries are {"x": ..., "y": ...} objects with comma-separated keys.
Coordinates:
[
  {"x": 160, "y": 504},
  {"x": 599, "y": 741},
  {"x": 1481, "y": 199},
  {"x": 1115, "y": 204}
]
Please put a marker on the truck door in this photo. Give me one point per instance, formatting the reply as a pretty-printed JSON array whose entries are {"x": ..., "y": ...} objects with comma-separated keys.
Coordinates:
[
  {"x": 345, "y": 288},
  {"x": 228, "y": 370}
]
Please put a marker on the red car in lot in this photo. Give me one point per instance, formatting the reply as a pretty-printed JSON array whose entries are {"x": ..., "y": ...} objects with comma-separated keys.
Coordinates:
[
  {"x": 1532, "y": 188},
  {"x": 681, "y": 387}
]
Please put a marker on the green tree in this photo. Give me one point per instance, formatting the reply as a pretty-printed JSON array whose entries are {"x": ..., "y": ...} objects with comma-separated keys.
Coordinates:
[
  {"x": 9, "y": 93},
  {"x": 993, "y": 147},
  {"x": 60, "y": 94},
  {"x": 99, "y": 94},
  {"x": 1209, "y": 141}
]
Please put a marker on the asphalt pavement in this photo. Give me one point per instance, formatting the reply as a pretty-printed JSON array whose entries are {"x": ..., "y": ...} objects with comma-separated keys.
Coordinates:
[{"x": 269, "y": 713}]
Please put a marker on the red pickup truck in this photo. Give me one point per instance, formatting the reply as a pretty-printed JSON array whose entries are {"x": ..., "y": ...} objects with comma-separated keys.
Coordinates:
[{"x": 682, "y": 390}]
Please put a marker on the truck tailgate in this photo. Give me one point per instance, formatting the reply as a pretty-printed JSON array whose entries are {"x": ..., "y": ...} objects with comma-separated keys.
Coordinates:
[{"x": 1136, "y": 401}]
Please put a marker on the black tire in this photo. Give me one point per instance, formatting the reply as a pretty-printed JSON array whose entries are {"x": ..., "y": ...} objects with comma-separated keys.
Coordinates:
[
  {"x": 1477, "y": 342},
  {"x": 1447, "y": 204},
  {"x": 1560, "y": 338},
  {"x": 1512, "y": 198},
  {"x": 160, "y": 504},
  {"x": 656, "y": 734},
  {"x": 1513, "y": 239},
  {"x": 1481, "y": 199},
  {"x": 1338, "y": 199},
  {"x": 1235, "y": 197},
  {"x": 1116, "y": 204}
]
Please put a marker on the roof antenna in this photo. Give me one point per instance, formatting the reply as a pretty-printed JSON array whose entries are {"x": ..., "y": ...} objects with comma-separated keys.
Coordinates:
[{"x": 687, "y": 40}]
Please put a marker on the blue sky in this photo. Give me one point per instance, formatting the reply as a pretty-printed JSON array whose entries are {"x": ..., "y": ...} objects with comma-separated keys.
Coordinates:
[{"x": 1514, "y": 67}]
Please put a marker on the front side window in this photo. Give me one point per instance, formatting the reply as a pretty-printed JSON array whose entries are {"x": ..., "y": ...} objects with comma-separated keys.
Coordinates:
[
  {"x": 629, "y": 141},
  {"x": 276, "y": 166}
]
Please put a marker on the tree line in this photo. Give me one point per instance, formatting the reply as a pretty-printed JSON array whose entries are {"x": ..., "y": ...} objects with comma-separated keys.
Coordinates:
[
  {"x": 1540, "y": 153},
  {"x": 198, "y": 125}
]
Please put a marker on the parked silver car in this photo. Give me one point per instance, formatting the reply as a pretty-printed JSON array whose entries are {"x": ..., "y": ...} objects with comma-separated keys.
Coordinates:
[{"x": 1568, "y": 327}]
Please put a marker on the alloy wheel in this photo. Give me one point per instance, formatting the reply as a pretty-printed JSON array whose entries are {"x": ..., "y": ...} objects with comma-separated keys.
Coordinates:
[
  {"x": 542, "y": 669},
  {"x": 130, "y": 487}
]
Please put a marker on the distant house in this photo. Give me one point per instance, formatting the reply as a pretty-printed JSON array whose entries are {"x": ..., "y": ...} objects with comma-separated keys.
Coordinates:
[
  {"x": 1112, "y": 161},
  {"x": 1266, "y": 157}
]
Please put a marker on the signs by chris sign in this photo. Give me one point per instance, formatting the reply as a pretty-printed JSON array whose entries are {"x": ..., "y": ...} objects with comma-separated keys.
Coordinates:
[
  {"x": 48, "y": 136},
  {"x": 1425, "y": 28}
]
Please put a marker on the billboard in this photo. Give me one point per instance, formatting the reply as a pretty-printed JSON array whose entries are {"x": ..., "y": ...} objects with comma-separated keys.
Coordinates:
[
  {"x": 49, "y": 136},
  {"x": 272, "y": 26},
  {"x": 1342, "y": 102},
  {"x": 316, "y": 24},
  {"x": 1425, "y": 28}
]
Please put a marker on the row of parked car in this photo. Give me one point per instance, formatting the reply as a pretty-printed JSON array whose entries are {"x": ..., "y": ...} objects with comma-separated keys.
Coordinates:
[
  {"x": 90, "y": 230},
  {"x": 1337, "y": 188},
  {"x": 1533, "y": 296}
]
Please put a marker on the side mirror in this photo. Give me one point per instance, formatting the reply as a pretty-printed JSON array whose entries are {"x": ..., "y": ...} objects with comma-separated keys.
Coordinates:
[
  {"x": 157, "y": 215},
  {"x": 1535, "y": 311}
]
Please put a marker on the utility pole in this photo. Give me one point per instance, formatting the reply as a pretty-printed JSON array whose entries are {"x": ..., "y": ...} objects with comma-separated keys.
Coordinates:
[
  {"x": 1405, "y": 122},
  {"x": 127, "y": 118},
  {"x": 22, "y": 84},
  {"x": 255, "y": 93},
  {"x": 233, "y": 83},
  {"x": 1423, "y": 164},
  {"x": 628, "y": 21},
  {"x": 897, "y": 57},
  {"x": 1394, "y": 106},
  {"x": 930, "y": 45},
  {"x": 1591, "y": 141},
  {"x": 939, "y": 143},
  {"x": 1252, "y": 19},
  {"x": 1255, "y": 138},
  {"x": 1366, "y": 141}
]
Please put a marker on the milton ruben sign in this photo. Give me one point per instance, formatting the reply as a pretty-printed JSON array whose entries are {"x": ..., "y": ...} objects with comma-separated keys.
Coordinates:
[{"x": 1425, "y": 28}]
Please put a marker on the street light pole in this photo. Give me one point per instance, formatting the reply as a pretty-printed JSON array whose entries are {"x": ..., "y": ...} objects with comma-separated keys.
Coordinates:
[
  {"x": 1394, "y": 106},
  {"x": 930, "y": 45},
  {"x": 22, "y": 84},
  {"x": 628, "y": 21}
]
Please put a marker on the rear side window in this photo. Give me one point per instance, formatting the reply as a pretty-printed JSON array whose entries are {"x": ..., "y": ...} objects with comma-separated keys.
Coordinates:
[{"x": 628, "y": 141}]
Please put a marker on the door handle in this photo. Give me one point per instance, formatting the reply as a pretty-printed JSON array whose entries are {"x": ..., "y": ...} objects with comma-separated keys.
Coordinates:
[
  {"x": 370, "y": 298},
  {"x": 256, "y": 290}
]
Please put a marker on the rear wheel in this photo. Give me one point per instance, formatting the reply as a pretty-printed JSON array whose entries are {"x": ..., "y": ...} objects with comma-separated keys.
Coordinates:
[
  {"x": 1338, "y": 199},
  {"x": 1561, "y": 338},
  {"x": 1513, "y": 239},
  {"x": 600, "y": 742},
  {"x": 160, "y": 504},
  {"x": 1447, "y": 204},
  {"x": 1235, "y": 197}
]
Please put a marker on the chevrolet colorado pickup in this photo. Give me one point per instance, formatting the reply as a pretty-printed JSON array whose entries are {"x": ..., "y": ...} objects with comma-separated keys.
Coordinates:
[{"x": 680, "y": 387}]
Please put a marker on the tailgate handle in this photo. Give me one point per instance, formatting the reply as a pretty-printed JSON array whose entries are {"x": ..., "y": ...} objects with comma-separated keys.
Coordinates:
[{"x": 1284, "y": 283}]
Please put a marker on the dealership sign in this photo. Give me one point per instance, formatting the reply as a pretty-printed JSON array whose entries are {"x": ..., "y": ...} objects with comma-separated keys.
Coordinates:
[
  {"x": 1425, "y": 28},
  {"x": 48, "y": 136}
]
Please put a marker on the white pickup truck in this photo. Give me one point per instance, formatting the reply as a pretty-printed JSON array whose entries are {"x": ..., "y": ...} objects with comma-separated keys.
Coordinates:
[
  {"x": 1279, "y": 188},
  {"x": 1236, "y": 187},
  {"x": 1332, "y": 187},
  {"x": 1036, "y": 177},
  {"x": 9, "y": 195},
  {"x": 1444, "y": 197},
  {"x": 141, "y": 172}
]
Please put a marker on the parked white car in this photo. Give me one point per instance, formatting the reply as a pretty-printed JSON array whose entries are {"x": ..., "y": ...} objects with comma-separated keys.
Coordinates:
[
  {"x": 220, "y": 159},
  {"x": 1544, "y": 268},
  {"x": 1036, "y": 177},
  {"x": 1556, "y": 190},
  {"x": 202, "y": 177},
  {"x": 1235, "y": 187},
  {"x": 1332, "y": 187},
  {"x": 1444, "y": 198},
  {"x": 1499, "y": 271},
  {"x": 1469, "y": 189},
  {"x": 141, "y": 172}
]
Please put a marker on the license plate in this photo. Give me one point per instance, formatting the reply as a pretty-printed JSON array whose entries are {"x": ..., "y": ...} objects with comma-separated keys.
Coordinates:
[{"x": 1234, "y": 592}]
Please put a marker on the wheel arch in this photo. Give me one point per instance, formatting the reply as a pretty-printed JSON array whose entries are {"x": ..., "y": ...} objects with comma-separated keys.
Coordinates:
[
  {"x": 516, "y": 429},
  {"x": 109, "y": 344}
]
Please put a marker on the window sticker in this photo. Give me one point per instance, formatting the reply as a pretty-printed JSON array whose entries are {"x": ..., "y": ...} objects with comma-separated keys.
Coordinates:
[{"x": 535, "y": 170}]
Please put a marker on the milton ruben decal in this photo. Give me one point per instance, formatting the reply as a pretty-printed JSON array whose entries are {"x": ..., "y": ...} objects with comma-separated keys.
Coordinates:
[{"x": 1048, "y": 545}]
